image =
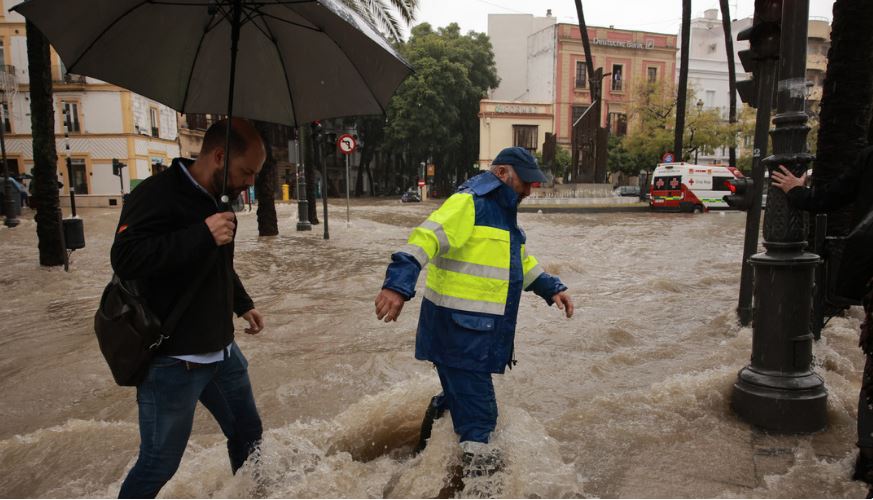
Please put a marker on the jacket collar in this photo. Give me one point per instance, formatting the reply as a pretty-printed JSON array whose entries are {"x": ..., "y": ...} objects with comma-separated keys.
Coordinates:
[
  {"x": 183, "y": 164},
  {"x": 487, "y": 182}
]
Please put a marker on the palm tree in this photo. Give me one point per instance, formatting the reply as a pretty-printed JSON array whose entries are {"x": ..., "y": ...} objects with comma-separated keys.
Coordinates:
[
  {"x": 732, "y": 75},
  {"x": 45, "y": 157},
  {"x": 683, "y": 80},
  {"x": 265, "y": 185},
  {"x": 847, "y": 97},
  {"x": 383, "y": 14}
]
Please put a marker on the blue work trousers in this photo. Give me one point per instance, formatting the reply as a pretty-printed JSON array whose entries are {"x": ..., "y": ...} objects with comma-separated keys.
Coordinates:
[
  {"x": 469, "y": 397},
  {"x": 167, "y": 399}
]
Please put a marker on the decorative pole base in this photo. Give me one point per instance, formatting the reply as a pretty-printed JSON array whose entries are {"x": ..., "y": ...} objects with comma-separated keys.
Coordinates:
[{"x": 781, "y": 403}]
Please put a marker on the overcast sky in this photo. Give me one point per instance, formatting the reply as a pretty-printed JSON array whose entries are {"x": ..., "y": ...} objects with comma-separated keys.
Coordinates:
[{"x": 662, "y": 16}]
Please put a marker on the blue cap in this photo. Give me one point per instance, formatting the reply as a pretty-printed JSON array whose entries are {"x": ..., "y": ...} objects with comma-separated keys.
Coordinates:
[{"x": 524, "y": 164}]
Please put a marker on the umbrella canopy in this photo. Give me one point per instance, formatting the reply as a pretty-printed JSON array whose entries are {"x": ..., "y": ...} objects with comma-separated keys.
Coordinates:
[{"x": 298, "y": 60}]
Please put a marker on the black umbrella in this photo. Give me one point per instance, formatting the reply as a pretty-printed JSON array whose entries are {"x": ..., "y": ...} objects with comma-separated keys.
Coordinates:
[{"x": 282, "y": 61}]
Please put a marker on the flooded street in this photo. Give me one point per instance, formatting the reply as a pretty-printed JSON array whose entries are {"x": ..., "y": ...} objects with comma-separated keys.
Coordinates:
[{"x": 629, "y": 398}]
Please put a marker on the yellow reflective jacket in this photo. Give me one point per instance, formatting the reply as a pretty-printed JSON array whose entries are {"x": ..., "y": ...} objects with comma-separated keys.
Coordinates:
[{"x": 477, "y": 266}]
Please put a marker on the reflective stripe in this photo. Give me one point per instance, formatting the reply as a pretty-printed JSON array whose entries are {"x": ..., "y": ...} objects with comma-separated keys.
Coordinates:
[
  {"x": 479, "y": 270},
  {"x": 478, "y": 306},
  {"x": 532, "y": 275},
  {"x": 440, "y": 233},
  {"x": 417, "y": 252}
]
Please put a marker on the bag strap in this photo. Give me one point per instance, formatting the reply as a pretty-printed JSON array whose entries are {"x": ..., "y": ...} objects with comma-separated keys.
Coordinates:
[{"x": 170, "y": 325}]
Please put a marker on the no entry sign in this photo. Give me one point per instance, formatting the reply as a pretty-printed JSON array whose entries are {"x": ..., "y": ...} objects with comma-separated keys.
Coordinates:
[{"x": 346, "y": 144}]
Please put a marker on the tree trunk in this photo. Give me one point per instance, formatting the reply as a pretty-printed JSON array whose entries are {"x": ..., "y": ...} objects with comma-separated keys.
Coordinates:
[
  {"x": 45, "y": 157},
  {"x": 265, "y": 187},
  {"x": 732, "y": 76},
  {"x": 847, "y": 98},
  {"x": 308, "y": 148},
  {"x": 683, "y": 81}
]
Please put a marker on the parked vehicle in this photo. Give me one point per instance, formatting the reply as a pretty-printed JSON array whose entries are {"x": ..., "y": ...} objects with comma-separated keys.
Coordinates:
[
  {"x": 686, "y": 187},
  {"x": 627, "y": 191},
  {"x": 410, "y": 197}
]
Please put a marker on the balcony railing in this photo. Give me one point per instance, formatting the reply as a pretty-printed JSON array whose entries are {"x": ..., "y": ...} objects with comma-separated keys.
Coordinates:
[{"x": 60, "y": 75}]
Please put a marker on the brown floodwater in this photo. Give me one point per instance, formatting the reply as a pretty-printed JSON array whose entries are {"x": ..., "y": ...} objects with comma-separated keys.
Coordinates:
[{"x": 629, "y": 398}]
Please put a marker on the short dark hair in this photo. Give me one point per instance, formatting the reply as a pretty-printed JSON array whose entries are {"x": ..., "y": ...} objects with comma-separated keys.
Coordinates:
[{"x": 216, "y": 136}]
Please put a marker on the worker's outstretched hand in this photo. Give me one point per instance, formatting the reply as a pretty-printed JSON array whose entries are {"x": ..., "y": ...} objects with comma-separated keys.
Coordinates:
[
  {"x": 388, "y": 305},
  {"x": 564, "y": 303}
]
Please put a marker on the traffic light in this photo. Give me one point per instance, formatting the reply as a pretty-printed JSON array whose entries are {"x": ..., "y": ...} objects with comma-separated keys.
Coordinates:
[
  {"x": 763, "y": 37},
  {"x": 117, "y": 165},
  {"x": 742, "y": 192},
  {"x": 317, "y": 130}
]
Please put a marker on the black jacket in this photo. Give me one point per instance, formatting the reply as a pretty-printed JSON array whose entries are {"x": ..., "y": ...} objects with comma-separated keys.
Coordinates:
[
  {"x": 162, "y": 241},
  {"x": 855, "y": 184}
]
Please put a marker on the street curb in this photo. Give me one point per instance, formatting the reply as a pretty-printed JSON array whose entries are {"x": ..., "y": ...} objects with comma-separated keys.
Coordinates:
[{"x": 576, "y": 209}]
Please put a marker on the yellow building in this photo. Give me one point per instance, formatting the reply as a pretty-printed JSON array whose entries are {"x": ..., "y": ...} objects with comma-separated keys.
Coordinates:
[
  {"x": 506, "y": 123},
  {"x": 106, "y": 122}
]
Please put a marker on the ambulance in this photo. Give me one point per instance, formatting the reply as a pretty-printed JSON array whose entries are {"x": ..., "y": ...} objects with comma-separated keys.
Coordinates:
[{"x": 685, "y": 187}]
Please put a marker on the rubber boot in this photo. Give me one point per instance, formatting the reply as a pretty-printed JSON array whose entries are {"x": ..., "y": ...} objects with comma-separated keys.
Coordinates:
[
  {"x": 433, "y": 412},
  {"x": 481, "y": 459},
  {"x": 864, "y": 469}
]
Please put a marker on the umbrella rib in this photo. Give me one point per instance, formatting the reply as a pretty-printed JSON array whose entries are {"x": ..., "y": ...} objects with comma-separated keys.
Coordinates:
[
  {"x": 272, "y": 38},
  {"x": 254, "y": 22},
  {"x": 358, "y": 71},
  {"x": 209, "y": 27},
  {"x": 109, "y": 27},
  {"x": 271, "y": 16}
]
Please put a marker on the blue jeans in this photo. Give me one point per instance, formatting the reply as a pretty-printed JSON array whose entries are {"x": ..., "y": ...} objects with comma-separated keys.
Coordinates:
[
  {"x": 167, "y": 398},
  {"x": 469, "y": 397}
]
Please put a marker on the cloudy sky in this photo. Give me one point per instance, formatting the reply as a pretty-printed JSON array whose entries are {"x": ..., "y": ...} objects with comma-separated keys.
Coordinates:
[{"x": 662, "y": 16}]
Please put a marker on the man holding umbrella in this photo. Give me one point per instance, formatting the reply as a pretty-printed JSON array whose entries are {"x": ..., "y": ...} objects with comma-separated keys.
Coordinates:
[{"x": 172, "y": 234}]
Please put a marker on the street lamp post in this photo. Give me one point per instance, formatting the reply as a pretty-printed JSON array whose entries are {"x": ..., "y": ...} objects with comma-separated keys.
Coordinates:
[
  {"x": 779, "y": 390},
  {"x": 699, "y": 110},
  {"x": 11, "y": 197},
  {"x": 303, "y": 223}
]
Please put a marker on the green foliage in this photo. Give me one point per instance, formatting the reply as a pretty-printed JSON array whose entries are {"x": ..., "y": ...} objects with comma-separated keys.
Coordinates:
[
  {"x": 562, "y": 161},
  {"x": 434, "y": 114},
  {"x": 654, "y": 109},
  {"x": 620, "y": 159}
]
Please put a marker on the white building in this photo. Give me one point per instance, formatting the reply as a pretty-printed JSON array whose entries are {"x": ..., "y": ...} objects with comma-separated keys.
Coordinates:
[{"x": 708, "y": 70}]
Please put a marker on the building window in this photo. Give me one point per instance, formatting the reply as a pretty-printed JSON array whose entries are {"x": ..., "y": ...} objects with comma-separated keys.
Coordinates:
[
  {"x": 70, "y": 116},
  {"x": 154, "y": 120},
  {"x": 158, "y": 165},
  {"x": 2, "y": 53},
  {"x": 79, "y": 175},
  {"x": 7, "y": 125},
  {"x": 525, "y": 136},
  {"x": 617, "y": 77},
  {"x": 581, "y": 75},
  {"x": 617, "y": 124},
  {"x": 578, "y": 111},
  {"x": 196, "y": 121},
  {"x": 710, "y": 98},
  {"x": 652, "y": 75}
]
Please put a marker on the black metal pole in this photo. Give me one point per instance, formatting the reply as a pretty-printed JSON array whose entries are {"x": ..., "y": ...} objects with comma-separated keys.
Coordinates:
[
  {"x": 586, "y": 46},
  {"x": 767, "y": 73},
  {"x": 12, "y": 199},
  {"x": 778, "y": 390},
  {"x": 303, "y": 223},
  {"x": 321, "y": 159},
  {"x": 68, "y": 124},
  {"x": 818, "y": 298},
  {"x": 234, "y": 46}
]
